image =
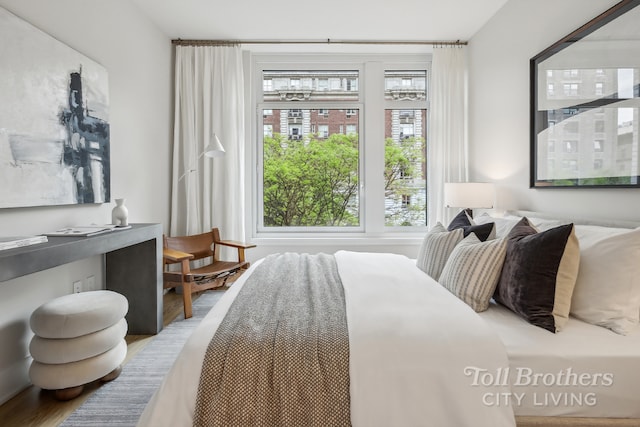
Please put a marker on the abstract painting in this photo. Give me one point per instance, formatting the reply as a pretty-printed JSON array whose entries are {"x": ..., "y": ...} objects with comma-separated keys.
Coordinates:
[{"x": 54, "y": 122}]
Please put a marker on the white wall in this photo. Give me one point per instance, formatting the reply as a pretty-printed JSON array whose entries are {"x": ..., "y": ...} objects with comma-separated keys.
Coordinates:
[
  {"x": 499, "y": 108},
  {"x": 137, "y": 56}
]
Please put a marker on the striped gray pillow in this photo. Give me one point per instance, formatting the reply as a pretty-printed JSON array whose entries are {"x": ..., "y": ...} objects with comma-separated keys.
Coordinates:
[
  {"x": 436, "y": 248},
  {"x": 473, "y": 270}
]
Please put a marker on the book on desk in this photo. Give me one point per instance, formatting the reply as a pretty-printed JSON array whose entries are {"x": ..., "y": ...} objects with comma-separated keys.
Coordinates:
[
  {"x": 20, "y": 241},
  {"x": 85, "y": 230}
]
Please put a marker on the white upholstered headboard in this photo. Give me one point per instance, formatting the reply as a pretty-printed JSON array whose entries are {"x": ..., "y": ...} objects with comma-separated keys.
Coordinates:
[{"x": 577, "y": 220}]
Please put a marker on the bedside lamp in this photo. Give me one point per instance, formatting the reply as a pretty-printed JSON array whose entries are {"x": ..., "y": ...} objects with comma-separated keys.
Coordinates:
[
  {"x": 214, "y": 149},
  {"x": 469, "y": 195}
]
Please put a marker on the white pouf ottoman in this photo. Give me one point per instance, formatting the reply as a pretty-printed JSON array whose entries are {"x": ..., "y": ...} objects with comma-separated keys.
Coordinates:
[{"x": 79, "y": 338}]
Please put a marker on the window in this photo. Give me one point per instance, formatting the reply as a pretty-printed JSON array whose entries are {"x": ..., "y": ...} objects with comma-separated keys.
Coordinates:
[
  {"x": 570, "y": 146},
  {"x": 570, "y": 89},
  {"x": 268, "y": 130},
  {"x": 309, "y": 179},
  {"x": 599, "y": 89},
  {"x": 550, "y": 89},
  {"x": 311, "y": 168},
  {"x": 310, "y": 171},
  {"x": 570, "y": 74},
  {"x": 598, "y": 145},
  {"x": 405, "y": 168},
  {"x": 405, "y": 147},
  {"x": 295, "y": 133},
  {"x": 407, "y": 130},
  {"x": 405, "y": 85}
]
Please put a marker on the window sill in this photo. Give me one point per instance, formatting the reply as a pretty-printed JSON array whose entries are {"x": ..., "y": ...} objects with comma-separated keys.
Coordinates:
[{"x": 338, "y": 241}]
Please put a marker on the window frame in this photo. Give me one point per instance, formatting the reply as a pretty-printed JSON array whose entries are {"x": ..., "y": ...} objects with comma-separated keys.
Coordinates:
[{"x": 371, "y": 105}]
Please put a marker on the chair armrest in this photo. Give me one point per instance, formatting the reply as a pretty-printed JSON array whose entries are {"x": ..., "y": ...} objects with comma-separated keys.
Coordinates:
[
  {"x": 175, "y": 256},
  {"x": 233, "y": 244}
]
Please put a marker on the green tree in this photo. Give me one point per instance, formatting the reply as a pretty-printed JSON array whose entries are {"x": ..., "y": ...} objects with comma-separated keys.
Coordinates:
[
  {"x": 310, "y": 182},
  {"x": 314, "y": 182}
]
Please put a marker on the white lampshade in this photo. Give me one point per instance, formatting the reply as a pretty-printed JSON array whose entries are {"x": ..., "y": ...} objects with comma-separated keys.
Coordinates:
[
  {"x": 215, "y": 148},
  {"x": 469, "y": 195}
]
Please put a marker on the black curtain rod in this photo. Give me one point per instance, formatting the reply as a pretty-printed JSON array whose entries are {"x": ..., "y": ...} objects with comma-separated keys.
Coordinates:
[{"x": 185, "y": 42}]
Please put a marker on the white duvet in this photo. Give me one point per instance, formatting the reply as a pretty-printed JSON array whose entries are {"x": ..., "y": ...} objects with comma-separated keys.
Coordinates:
[{"x": 418, "y": 355}]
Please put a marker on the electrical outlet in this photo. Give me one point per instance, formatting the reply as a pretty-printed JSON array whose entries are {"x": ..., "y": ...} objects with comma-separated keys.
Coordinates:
[
  {"x": 77, "y": 286},
  {"x": 91, "y": 283}
]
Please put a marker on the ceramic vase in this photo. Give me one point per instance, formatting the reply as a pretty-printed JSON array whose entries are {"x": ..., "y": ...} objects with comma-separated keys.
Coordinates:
[{"x": 119, "y": 214}]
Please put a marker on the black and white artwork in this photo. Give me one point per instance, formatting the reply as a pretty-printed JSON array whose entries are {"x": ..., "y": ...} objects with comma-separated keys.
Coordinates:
[
  {"x": 54, "y": 123},
  {"x": 585, "y": 105}
]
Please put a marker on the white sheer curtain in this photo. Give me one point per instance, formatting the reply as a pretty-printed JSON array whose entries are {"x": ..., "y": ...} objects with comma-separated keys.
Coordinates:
[
  {"x": 209, "y": 98},
  {"x": 447, "y": 154}
]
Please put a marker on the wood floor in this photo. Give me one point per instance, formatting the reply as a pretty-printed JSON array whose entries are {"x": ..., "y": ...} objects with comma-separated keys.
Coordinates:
[{"x": 34, "y": 407}]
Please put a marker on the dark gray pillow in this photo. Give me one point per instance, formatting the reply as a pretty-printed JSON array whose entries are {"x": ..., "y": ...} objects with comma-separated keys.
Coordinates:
[
  {"x": 462, "y": 220},
  {"x": 483, "y": 231},
  {"x": 539, "y": 274}
]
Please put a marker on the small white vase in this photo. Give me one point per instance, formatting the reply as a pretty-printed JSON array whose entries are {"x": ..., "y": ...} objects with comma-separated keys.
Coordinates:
[{"x": 119, "y": 214}]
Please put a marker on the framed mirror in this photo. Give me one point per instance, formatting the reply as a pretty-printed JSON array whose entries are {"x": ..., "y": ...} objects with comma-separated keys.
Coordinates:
[{"x": 585, "y": 103}]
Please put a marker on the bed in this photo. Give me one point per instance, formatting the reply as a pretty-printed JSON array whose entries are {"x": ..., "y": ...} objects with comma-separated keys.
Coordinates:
[
  {"x": 418, "y": 355},
  {"x": 580, "y": 348}
]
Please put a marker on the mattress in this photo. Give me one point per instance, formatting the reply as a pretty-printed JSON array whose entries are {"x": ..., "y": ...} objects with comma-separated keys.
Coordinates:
[{"x": 582, "y": 371}]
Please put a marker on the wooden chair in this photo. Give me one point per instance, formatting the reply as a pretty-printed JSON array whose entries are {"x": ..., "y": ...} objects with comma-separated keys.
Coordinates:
[{"x": 216, "y": 273}]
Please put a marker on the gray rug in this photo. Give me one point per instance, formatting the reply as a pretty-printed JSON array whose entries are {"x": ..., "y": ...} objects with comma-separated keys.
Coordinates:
[{"x": 121, "y": 402}]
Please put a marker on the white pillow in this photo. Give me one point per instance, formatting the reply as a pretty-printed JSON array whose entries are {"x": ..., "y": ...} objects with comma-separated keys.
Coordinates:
[
  {"x": 588, "y": 235},
  {"x": 541, "y": 224},
  {"x": 503, "y": 225},
  {"x": 473, "y": 269},
  {"x": 607, "y": 291},
  {"x": 436, "y": 248}
]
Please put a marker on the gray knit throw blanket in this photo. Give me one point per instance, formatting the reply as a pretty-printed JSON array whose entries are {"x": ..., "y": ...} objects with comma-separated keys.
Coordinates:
[{"x": 280, "y": 357}]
